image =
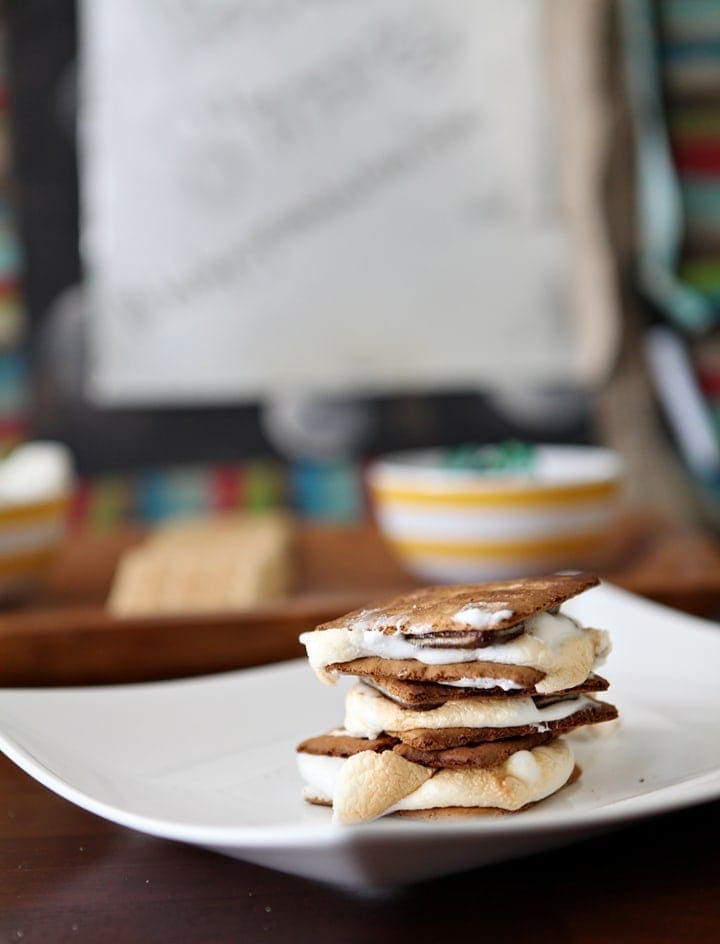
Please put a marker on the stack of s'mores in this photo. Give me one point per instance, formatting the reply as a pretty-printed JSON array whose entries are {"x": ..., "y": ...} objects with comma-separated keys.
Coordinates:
[{"x": 461, "y": 698}]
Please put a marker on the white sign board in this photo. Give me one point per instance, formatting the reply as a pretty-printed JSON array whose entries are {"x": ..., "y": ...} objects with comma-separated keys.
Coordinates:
[{"x": 324, "y": 196}]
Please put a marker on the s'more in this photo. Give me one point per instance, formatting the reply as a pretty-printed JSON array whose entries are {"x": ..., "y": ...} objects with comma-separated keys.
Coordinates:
[{"x": 461, "y": 700}]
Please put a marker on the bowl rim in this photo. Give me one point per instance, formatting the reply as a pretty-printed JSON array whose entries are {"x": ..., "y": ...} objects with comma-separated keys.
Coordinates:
[{"x": 402, "y": 468}]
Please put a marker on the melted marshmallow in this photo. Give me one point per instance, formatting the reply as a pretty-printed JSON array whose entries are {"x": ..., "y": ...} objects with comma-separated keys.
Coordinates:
[
  {"x": 320, "y": 774},
  {"x": 553, "y": 643},
  {"x": 483, "y": 615},
  {"x": 507, "y": 685},
  {"x": 368, "y": 713}
]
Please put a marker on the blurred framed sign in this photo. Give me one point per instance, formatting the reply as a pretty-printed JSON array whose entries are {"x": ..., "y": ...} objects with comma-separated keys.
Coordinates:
[{"x": 322, "y": 197}]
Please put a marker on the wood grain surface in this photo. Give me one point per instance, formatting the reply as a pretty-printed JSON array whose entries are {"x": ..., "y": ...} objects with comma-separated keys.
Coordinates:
[{"x": 63, "y": 635}]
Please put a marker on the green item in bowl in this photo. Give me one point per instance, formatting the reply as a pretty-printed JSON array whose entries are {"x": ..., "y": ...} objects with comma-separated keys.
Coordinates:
[{"x": 511, "y": 456}]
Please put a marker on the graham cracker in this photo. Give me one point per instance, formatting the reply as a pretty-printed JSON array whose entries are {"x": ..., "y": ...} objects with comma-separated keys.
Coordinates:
[
  {"x": 421, "y": 696},
  {"x": 485, "y": 755},
  {"x": 202, "y": 565},
  {"x": 412, "y": 670},
  {"x": 344, "y": 745},
  {"x": 429, "y": 739},
  {"x": 489, "y": 754},
  {"x": 433, "y": 611}
]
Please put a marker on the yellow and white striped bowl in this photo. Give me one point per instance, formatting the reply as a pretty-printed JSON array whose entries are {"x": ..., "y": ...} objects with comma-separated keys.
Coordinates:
[
  {"x": 457, "y": 526},
  {"x": 30, "y": 535}
]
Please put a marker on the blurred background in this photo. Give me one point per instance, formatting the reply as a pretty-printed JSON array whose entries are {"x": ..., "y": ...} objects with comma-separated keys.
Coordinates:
[{"x": 248, "y": 245}]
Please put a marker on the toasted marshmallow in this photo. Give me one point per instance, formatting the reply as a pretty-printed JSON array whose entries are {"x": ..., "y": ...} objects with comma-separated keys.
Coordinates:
[{"x": 368, "y": 785}]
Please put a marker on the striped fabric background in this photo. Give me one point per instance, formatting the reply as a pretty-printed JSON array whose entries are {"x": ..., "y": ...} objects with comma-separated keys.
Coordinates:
[
  {"x": 330, "y": 490},
  {"x": 689, "y": 47},
  {"x": 12, "y": 363},
  {"x": 690, "y": 61}
]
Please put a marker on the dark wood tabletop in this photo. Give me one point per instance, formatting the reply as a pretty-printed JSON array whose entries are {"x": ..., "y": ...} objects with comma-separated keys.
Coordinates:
[{"x": 66, "y": 875}]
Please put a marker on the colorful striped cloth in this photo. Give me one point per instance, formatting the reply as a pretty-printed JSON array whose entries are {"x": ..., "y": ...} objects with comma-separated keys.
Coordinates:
[
  {"x": 328, "y": 490},
  {"x": 689, "y": 50},
  {"x": 13, "y": 372}
]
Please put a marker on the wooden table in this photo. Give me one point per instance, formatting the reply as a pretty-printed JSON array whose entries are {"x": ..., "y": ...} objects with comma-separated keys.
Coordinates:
[{"x": 66, "y": 875}]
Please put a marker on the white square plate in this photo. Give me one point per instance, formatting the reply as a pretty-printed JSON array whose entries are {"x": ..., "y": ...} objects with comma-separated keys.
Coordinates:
[{"x": 211, "y": 760}]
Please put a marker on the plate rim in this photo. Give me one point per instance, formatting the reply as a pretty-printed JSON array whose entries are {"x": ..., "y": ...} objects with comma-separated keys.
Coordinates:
[{"x": 701, "y": 789}]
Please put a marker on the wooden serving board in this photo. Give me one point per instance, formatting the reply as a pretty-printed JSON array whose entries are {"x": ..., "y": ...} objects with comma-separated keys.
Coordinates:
[{"x": 65, "y": 636}]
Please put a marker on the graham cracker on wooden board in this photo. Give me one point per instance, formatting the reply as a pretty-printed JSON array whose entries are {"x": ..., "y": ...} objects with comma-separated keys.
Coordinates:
[{"x": 207, "y": 564}]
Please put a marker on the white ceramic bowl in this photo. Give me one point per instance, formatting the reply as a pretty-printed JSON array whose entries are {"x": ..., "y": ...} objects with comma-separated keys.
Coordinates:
[
  {"x": 35, "y": 485},
  {"x": 30, "y": 536},
  {"x": 452, "y": 525}
]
